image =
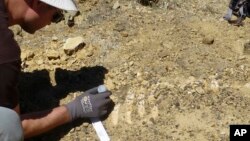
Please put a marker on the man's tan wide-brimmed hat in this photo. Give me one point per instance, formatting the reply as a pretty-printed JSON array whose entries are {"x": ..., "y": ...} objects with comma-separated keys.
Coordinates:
[{"x": 68, "y": 5}]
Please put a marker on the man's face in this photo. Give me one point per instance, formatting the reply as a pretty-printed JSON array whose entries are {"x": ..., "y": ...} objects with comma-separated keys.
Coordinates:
[{"x": 38, "y": 16}]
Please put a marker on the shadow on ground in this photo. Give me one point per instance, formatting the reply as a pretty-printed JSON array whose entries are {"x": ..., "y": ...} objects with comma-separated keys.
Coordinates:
[{"x": 37, "y": 92}]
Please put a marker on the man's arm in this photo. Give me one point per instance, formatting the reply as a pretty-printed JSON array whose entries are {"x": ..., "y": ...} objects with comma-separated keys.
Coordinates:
[
  {"x": 88, "y": 104},
  {"x": 40, "y": 122}
]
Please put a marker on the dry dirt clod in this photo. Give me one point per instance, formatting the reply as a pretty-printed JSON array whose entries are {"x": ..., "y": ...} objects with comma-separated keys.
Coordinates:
[
  {"x": 208, "y": 40},
  {"x": 53, "y": 55},
  {"x": 27, "y": 55},
  {"x": 73, "y": 44}
]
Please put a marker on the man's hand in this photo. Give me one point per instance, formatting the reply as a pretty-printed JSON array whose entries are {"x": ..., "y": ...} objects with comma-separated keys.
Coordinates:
[{"x": 89, "y": 104}]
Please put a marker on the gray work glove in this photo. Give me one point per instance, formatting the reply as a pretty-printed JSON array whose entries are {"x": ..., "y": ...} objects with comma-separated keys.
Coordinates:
[{"x": 89, "y": 104}]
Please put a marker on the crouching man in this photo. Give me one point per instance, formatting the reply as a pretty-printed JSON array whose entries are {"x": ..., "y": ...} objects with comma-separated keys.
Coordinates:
[{"x": 32, "y": 15}]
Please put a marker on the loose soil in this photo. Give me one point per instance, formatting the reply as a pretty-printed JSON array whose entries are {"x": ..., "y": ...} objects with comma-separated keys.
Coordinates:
[{"x": 177, "y": 70}]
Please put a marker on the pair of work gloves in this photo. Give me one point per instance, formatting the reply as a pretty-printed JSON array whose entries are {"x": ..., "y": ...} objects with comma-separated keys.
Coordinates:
[{"x": 89, "y": 104}]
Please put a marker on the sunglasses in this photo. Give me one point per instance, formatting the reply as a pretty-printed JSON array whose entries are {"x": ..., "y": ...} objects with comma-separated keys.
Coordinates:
[{"x": 57, "y": 17}]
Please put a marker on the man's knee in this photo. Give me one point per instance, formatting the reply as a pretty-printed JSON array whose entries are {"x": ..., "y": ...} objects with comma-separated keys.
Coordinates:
[{"x": 10, "y": 125}]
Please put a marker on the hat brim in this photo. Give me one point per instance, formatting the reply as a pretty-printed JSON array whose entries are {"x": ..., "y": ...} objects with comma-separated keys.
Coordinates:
[{"x": 68, "y": 5}]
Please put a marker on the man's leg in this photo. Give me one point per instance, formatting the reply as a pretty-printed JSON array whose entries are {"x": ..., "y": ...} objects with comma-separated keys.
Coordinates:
[
  {"x": 9, "y": 77},
  {"x": 10, "y": 125}
]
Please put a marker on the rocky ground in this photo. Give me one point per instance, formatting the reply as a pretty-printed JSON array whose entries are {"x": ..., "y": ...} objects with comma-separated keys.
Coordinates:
[{"x": 177, "y": 70}]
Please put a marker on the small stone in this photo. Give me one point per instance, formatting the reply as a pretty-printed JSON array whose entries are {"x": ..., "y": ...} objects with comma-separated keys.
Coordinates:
[
  {"x": 72, "y": 130},
  {"x": 17, "y": 30},
  {"x": 85, "y": 124},
  {"x": 200, "y": 90},
  {"x": 54, "y": 38},
  {"x": 208, "y": 40},
  {"x": 27, "y": 55},
  {"x": 131, "y": 63},
  {"x": 247, "y": 48},
  {"x": 116, "y": 5},
  {"x": 53, "y": 55},
  {"x": 124, "y": 34},
  {"x": 69, "y": 17},
  {"x": 73, "y": 44},
  {"x": 78, "y": 128},
  {"x": 242, "y": 57}
]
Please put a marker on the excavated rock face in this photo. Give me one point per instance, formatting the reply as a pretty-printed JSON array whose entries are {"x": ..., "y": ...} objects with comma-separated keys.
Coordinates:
[{"x": 177, "y": 70}]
